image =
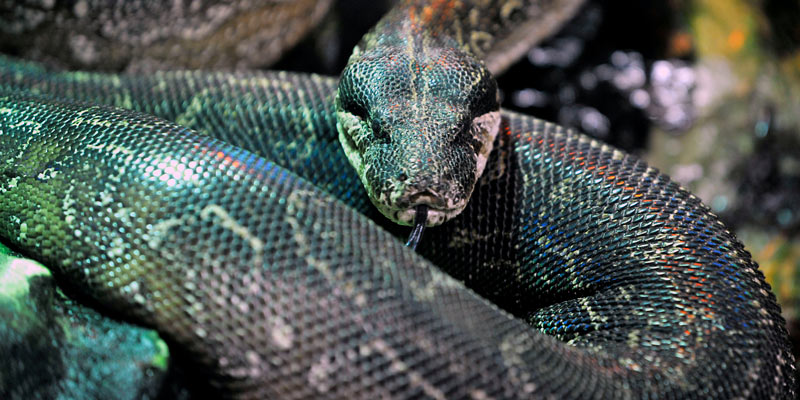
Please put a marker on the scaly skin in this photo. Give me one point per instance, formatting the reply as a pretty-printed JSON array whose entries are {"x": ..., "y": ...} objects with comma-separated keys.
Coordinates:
[{"x": 653, "y": 297}]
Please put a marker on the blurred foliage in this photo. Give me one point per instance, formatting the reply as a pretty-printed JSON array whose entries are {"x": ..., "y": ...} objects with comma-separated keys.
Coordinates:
[{"x": 742, "y": 153}]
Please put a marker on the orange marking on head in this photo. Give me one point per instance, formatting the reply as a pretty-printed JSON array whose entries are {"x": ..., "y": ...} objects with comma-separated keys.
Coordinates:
[
  {"x": 427, "y": 14},
  {"x": 445, "y": 8}
]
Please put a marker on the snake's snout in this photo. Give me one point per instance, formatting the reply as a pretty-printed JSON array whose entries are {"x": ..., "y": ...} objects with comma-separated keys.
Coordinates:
[
  {"x": 425, "y": 197},
  {"x": 439, "y": 209}
]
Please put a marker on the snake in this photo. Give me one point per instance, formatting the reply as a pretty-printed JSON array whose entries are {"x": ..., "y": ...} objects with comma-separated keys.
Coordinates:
[{"x": 251, "y": 218}]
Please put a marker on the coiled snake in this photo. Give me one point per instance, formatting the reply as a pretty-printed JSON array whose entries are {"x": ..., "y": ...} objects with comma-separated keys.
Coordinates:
[{"x": 613, "y": 281}]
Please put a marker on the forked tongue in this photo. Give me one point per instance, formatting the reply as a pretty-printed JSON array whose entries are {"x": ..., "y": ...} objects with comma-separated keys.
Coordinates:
[{"x": 419, "y": 225}]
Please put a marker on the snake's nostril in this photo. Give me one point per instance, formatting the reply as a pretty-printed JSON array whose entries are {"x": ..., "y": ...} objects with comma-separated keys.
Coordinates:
[{"x": 402, "y": 177}]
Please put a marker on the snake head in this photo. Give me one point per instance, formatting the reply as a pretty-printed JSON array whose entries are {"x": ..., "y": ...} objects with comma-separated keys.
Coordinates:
[{"x": 418, "y": 126}]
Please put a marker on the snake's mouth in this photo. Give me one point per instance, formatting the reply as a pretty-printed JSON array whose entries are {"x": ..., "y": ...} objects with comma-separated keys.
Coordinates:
[
  {"x": 435, "y": 217},
  {"x": 439, "y": 210}
]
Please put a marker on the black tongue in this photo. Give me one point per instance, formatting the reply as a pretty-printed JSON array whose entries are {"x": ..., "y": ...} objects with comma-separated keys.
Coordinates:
[{"x": 419, "y": 226}]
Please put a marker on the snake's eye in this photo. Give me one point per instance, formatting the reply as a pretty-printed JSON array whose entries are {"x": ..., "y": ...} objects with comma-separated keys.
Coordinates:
[
  {"x": 487, "y": 100},
  {"x": 378, "y": 128}
]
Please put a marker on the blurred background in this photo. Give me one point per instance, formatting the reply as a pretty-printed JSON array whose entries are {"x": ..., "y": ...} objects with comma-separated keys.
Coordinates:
[{"x": 707, "y": 91}]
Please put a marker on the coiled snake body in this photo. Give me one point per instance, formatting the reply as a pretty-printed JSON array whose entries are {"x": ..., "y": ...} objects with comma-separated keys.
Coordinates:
[{"x": 264, "y": 275}]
